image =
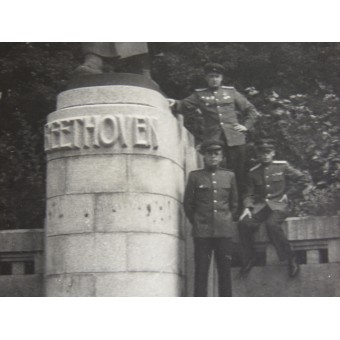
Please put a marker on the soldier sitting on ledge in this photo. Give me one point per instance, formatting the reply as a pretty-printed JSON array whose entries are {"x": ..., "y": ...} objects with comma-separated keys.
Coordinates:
[{"x": 270, "y": 185}]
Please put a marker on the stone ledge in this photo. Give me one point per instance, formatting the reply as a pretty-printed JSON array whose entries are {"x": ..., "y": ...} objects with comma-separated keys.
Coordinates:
[
  {"x": 302, "y": 228},
  {"x": 105, "y": 79},
  {"x": 21, "y": 285},
  {"x": 313, "y": 280},
  {"x": 21, "y": 240}
]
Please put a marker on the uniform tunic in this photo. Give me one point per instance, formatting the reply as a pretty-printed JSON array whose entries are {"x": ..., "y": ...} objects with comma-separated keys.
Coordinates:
[
  {"x": 268, "y": 183},
  {"x": 218, "y": 108},
  {"x": 210, "y": 201}
]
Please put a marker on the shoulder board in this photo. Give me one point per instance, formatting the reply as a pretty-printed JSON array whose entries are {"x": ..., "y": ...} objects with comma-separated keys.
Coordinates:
[
  {"x": 225, "y": 170},
  {"x": 199, "y": 90},
  {"x": 280, "y": 162},
  {"x": 227, "y": 87},
  {"x": 198, "y": 170},
  {"x": 255, "y": 167}
]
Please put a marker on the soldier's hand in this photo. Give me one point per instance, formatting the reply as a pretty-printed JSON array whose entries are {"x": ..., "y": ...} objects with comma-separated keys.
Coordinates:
[
  {"x": 239, "y": 127},
  {"x": 172, "y": 102},
  {"x": 284, "y": 199},
  {"x": 245, "y": 213}
]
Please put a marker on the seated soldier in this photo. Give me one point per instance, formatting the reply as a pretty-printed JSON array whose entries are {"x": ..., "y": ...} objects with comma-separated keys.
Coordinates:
[{"x": 270, "y": 185}]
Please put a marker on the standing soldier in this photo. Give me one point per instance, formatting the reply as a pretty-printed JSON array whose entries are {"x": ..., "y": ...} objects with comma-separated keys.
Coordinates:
[
  {"x": 218, "y": 106},
  {"x": 270, "y": 185},
  {"x": 210, "y": 203}
]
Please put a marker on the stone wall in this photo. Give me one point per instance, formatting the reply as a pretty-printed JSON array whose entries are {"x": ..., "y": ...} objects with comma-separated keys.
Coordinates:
[
  {"x": 316, "y": 238},
  {"x": 317, "y": 243},
  {"x": 21, "y": 262},
  {"x": 116, "y": 160}
]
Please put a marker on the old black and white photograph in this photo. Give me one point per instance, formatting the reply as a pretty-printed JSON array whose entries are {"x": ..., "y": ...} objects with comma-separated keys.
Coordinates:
[{"x": 170, "y": 167}]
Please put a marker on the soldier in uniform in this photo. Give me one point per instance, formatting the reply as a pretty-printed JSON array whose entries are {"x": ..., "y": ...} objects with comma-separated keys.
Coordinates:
[
  {"x": 218, "y": 105},
  {"x": 210, "y": 203},
  {"x": 270, "y": 184},
  {"x": 95, "y": 53}
]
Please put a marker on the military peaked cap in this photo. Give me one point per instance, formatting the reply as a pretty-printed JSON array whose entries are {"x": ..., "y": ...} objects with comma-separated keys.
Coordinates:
[
  {"x": 214, "y": 67},
  {"x": 211, "y": 144},
  {"x": 265, "y": 144}
]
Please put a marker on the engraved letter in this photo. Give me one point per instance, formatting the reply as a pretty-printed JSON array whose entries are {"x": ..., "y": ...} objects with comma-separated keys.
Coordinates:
[
  {"x": 76, "y": 132},
  {"x": 90, "y": 130},
  {"x": 65, "y": 134},
  {"x": 141, "y": 132},
  {"x": 154, "y": 138},
  {"x": 107, "y": 131},
  {"x": 55, "y": 135},
  {"x": 122, "y": 128}
]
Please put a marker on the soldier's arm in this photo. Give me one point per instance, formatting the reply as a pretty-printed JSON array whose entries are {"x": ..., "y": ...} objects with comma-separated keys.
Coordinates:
[
  {"x": 188, "y": 104},
  {"x": 233, "y": 197},
  {"x": 247, "y": 109},
  {"x": 189, "y": 199},
  {"x": 296, "y": 181}
]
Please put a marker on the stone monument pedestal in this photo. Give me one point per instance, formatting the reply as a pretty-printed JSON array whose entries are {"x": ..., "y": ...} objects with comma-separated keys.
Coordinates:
[{"x": 115, "y": 181}]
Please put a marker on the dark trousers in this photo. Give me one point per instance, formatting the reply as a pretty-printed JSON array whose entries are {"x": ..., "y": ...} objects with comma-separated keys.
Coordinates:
[
  {"x": 236, "y": 161},
  {"x": 203, "y": 252},
  {"x": 273, "y": 221}
]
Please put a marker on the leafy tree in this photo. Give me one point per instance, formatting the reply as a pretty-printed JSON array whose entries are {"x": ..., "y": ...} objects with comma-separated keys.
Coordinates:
[{"x": 31, "y": 76}]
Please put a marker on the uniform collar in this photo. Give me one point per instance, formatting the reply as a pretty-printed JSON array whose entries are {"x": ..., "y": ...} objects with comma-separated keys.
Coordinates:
[
  {"x": 212, "y": 170},
  {"x": 214, "y": 89},
  {"x": 266, "y": 165}
]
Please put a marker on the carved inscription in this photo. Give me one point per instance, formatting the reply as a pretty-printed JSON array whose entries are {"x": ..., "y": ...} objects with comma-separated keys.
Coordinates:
[{"x": 101, "y": 131}]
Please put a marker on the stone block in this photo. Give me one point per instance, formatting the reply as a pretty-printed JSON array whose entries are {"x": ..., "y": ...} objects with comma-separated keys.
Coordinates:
[
  {"x": 86, "y": 253},
  {"x": 21, "y": 285},
  {"x": 131, "y": 212},
  {"x": 97, "y": 174},
  {"x": 56, "y": 177},
  {"x": 154, "y": 252},
  {"x": 155, "y": 175},
  {"x": 21, "y": 240},
  {"x": 334, "y": 250},
  {"x": 313, "y": 227},
  {"x": 71, "y": 285},
  {"x": 139, "y": 284},
  {"x": 127, "y": 95},
  {"x": 39, "y": 263},
  {"x": 70, "y": 214},
  {"x": 55, "y": 255}
]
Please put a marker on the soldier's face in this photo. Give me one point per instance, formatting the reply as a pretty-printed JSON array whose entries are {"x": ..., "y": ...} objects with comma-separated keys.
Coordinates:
[
  {"x": 266, "y": 157},
  {"x": 214, "y": 79},
  {"x": 213, "y": 158}
]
